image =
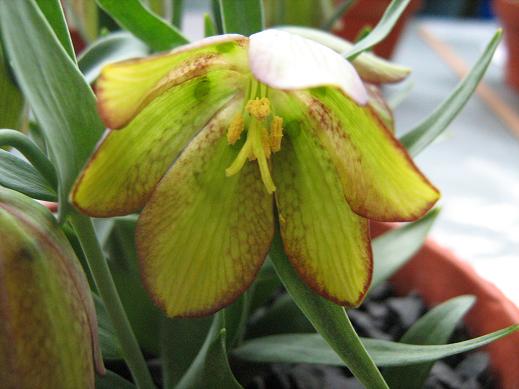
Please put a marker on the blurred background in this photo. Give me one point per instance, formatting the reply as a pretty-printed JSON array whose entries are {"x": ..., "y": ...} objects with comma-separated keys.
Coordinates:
[{"x": 476, "y": 162}]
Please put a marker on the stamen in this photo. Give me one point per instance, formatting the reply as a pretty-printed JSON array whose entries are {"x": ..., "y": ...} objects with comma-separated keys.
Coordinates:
[
  {"x": 240, "y": 159},
  {"x": 259, "y": 108},
  {"x": 276, "y": 133},
  {"x": 235, "y": 129},
  {"x": 257, "y": 149}
]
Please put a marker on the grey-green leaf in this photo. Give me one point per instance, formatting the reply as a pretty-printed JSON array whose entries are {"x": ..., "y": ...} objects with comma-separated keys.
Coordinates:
[
  {"x": 113, "y": 47},
  {"x": 429, "y": 129},
  {"x": 339, "y": 11},
  {"x": 145, "y": 25},
  {"x": 110, "y": 347},
  {"x": 113, "y": 381},
  {"x": 60, "y": 98},
  {"x": 54, "y": 14},
  {"x": 21, "y": 176},
  {"x": 312, "y": 348},
  {"x": 329, "y": 319},
  {"x": 211, "y": 369},
  {"x": 382, "y": 29},
  {"x": 242, "y": 17},
  {"x": 435, "y": 327},
  {"x": 393, "y": 249}
]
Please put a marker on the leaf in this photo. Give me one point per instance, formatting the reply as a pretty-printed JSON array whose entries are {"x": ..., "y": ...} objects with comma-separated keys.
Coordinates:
[
  {"x": 178, "y": 12},
  {"x": 180, "y": 342},
  {"x": 393, "y": 249},
  {"x": 242, "y": 17},
  {"x": 381, "y": 30},
  {"x": 114, "y": 47},
  {"x": 209, "y": 26},
  {"x": 435, "y": 327},
  {"x": 12, "y": 103},
  {"x": 54, "y": 15},
  {"x": 211, "y": 367},
  {"x": 329, "y": 319},
  {"x": 112, "y": 381},
  {"x": 340, "y": 10},
  {"x": 21, "y": 176},
  {"x": 429, "y": 129},
  {"x": 151, "y": 29},
  {"x": 312, "y": 348},
  {"x": 68, "y": 115},
  {"x": 110, "y": 347}
]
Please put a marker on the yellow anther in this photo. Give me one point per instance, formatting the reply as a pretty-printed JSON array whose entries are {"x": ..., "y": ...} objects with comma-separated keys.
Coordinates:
[
  {"x": 276, "y": 133},
  {"x": 259, "y": 108},
  {"x": 235, "y": 129},
  {"x": 265, "y": 140}
]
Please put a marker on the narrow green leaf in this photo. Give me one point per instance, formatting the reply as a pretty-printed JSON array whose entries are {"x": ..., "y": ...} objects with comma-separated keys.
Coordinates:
[
  {"x": 60, "y": 98},
  {"x": 381, "y": 30},
  {"x": 113, "y": 47},
  {"x": 217, "y": 16},
  {"x": 55, "y": 17},
  {"x": 181, "y": 341},
  {"x": 236, "y": 317},
  {"x": 178, "y": 13},
  {"x": 18, "y": 175},
  {"x": 429, "y": 129},
  {"x": 110, "y": 347},
  {"x": 148, "y": 27},
  {"x": 435, "y": 327},
  {"x": 112, "y": 381},
  {"x": 393, "y": 249},
  {"x": 242, "y": 17},
  {"x": 329, "y": 319},
  {"x": 211, "y": 367},
  {"x": 312, "y": 348},
  {"x": 12, "y": 103},
  {"x": 209, "y": 26},
  {"x": 340, "y": 10}
]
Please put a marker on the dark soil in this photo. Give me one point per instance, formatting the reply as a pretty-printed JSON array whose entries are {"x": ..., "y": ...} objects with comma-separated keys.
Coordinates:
[{"x": 383, "y": 316}]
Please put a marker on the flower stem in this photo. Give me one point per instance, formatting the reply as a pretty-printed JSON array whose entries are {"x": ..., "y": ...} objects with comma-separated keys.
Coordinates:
[
  {"x": 30, "y": 151},
  {"x": 106, "y": 287}
]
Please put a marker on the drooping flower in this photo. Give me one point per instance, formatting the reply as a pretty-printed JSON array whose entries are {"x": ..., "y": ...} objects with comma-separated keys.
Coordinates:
[
  {"x": 48, "y": 326},
  {"x": 205, "y": 138}
]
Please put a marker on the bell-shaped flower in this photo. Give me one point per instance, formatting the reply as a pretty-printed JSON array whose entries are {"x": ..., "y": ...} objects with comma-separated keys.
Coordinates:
[
  {"x": 206, "y": 138},
  {"x": 48, "y": 326}
]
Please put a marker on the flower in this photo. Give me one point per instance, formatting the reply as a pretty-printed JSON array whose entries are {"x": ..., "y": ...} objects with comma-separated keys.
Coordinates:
[
  {"x": 48, "y": 326},
  {"x": 205, "y": 138}
]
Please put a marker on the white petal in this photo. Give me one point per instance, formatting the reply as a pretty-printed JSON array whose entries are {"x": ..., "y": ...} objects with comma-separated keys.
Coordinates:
[{"x": 286, "y": 61}]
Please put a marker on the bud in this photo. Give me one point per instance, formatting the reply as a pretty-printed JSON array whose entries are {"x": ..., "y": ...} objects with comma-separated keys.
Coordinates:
[{"x": 48, "y": 330}]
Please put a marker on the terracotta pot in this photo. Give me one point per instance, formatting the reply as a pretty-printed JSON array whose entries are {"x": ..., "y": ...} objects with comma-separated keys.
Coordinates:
[
  {"x": 438, "y": 275},
  {"x": 367, "y": 13},
  {"x": 508, "y": 12}
]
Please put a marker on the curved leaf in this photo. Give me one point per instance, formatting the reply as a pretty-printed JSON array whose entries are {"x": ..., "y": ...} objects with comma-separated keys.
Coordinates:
[
  {"x": 21, "y": 176},
  {"x": 145, "y": 25},
  {"x": 312, "y": 348},
  {"x": 381, "y": 30},
  {"x": 435, "y": 327},
  {"x": 67, "y": 116},
  {"x": 427, "y": 131}
]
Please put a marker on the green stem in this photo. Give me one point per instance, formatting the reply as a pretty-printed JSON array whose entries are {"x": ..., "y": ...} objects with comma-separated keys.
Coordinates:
[
  {"x": 106, "y": 287},
  {"x": 33, "y": 154},
  {"x": 329, "y": 319}
]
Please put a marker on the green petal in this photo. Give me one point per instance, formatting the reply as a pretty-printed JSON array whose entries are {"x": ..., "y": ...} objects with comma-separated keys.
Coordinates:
[
  {"x": 124, "y": 88},
  {"x": 128, "y": 163},
  {"x": 327, "y": 243},
  {"x": 379, "y": 105},
  {"x": 203, "y": 236},
  {"x": 379, "y": 178}
]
